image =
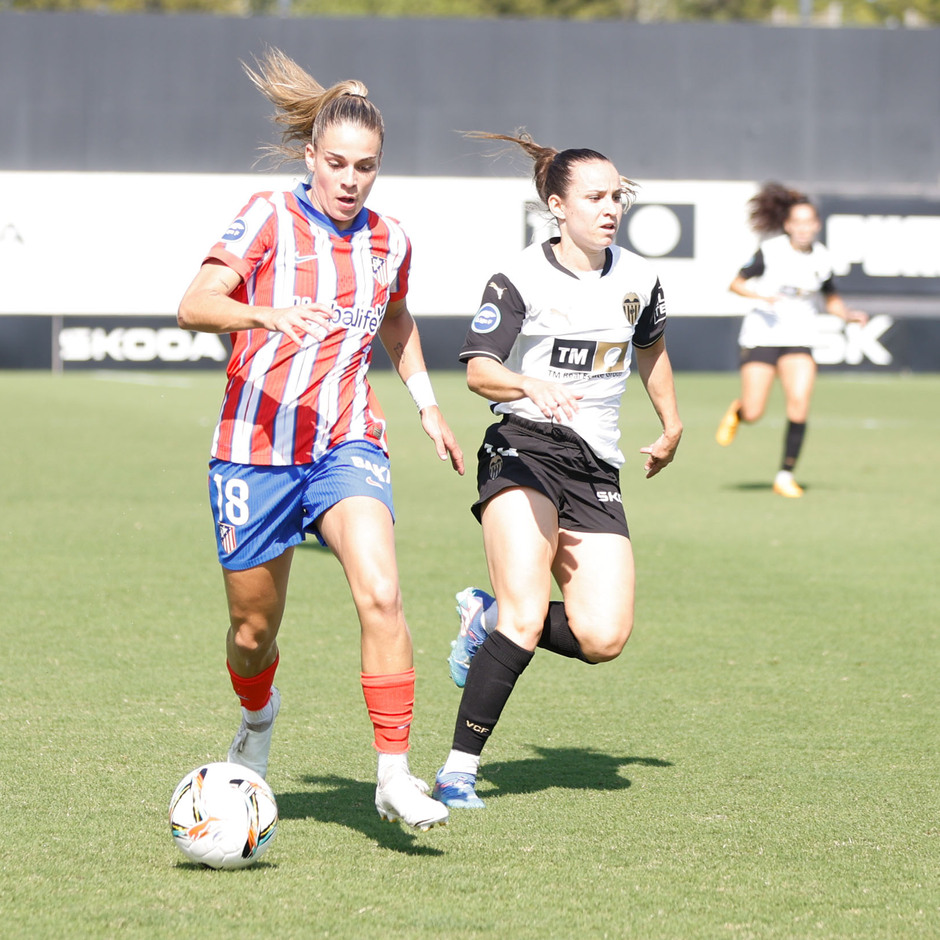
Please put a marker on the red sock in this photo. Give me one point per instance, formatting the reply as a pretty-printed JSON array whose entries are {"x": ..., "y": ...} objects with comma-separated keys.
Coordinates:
[
  {"x": 390, "y": 700},
  {"x": 254, "y": 691}
]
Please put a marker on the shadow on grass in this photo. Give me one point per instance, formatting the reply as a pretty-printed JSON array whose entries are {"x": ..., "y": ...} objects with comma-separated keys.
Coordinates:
[
  {"x": 351, "y": 803},
  {"x": 225, "y": 872},
  {"x": 574, "y": 768},
  {"x": 757, "y": 487}
]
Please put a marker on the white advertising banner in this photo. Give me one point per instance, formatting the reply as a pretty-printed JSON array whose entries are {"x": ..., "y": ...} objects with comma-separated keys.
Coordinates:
[{"x": 129, "y": 243}]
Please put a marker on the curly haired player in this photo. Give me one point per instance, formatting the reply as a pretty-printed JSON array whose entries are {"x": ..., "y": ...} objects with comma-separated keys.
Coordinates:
[{"x": 788, "y": 278}]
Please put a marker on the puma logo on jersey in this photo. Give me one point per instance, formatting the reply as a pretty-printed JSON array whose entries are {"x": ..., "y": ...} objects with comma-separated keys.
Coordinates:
[{"x": 499, "y": 290}]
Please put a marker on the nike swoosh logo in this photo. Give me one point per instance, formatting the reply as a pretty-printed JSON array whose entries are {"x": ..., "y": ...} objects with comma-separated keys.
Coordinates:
[
  {"x": 372, "y": 482},
  {"x": 300, "y": 259}
]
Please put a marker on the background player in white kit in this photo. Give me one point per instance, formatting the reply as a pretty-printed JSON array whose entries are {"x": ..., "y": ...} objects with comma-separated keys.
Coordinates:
[
  {"x": 790, "y": 278},
  {"x": 550, "y": 348},
  {"x": 304, "y": 281}
]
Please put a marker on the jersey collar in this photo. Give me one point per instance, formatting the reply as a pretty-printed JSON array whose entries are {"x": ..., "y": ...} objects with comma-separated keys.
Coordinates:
[
  {"x": 301, "y": 191},
  {"x": 555, "y": 263}
]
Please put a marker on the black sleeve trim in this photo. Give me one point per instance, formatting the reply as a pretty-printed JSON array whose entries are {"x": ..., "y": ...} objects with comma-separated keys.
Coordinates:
[
  {"x": 754, "y": 267},
  {"x": 467, "y": 354},
  {"x": 497, "y": 323},
  {"x": 652, "y": 321}
]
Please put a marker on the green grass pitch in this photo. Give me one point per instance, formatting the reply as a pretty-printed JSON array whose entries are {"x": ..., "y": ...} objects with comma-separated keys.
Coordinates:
[{"x": 761, "y": 762}]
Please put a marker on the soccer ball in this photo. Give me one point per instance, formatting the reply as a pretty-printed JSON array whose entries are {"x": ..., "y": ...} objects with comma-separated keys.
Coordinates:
[{"x": 223, "y": 816}]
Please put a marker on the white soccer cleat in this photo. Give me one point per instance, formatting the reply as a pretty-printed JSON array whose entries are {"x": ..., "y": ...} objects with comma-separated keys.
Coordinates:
[
  {"x": 252, "y": 742},
  {"x": 399, "y": 795}
]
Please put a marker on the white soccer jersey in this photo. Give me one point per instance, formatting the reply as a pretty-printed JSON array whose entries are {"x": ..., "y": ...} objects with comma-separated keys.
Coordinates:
[
  {"x": 798, "y": 278},
  {"x": 540, "y": 319}
]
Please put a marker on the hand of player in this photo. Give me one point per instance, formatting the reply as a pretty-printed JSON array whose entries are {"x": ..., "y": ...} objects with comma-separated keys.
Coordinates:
[
  {"x": 301, "y": 321},
  {"x": 438, "y": 430},
  {"x": 660, "y": 453},
  {"x": 553, "y": 399}
]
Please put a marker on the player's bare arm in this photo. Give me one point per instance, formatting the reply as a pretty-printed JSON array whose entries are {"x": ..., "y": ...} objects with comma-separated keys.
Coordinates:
[
  {"x": 399, "y": 335},
  {"x": 837, "y": 307},
  {"x": 655, "y": 372},
  {"x": 208, "y": 306},
  {"x": 739, "y": 286},
  {"x": 494, "y": 382}
]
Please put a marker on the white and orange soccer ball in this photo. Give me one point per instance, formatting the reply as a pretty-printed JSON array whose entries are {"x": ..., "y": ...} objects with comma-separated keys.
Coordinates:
[{"x": 223, "y": 816}]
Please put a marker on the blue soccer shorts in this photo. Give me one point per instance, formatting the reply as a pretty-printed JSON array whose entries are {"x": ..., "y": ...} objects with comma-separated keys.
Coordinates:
[{"x": 261, "y": 511}]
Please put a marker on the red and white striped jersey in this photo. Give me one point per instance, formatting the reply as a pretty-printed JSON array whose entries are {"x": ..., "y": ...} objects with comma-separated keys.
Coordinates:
[{"x": 286, "y": 404}]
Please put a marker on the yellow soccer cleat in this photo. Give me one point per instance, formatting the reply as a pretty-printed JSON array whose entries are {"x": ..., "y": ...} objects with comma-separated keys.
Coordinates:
[
  {"x": 785, "y": 485},
  {"x": 729, "y": 424}
]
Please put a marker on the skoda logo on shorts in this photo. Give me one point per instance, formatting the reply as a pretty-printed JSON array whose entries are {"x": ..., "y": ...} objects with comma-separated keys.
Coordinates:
[
  {"x": 486, "y": 320},
  {"x": 235, "y": 231},
  {"x": 496, "y": 466}
]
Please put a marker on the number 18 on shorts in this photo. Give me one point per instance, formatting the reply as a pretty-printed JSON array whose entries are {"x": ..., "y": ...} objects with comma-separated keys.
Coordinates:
[{"x": 260, "y": 511}]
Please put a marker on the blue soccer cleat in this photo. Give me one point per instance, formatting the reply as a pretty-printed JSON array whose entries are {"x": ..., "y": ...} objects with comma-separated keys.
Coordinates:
[
  {"x": 477, "y": 611},
  {"x": 457, "y": 790}
]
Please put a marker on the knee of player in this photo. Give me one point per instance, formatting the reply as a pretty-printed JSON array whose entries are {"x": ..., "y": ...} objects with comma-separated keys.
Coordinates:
[
  {"x": 521, "y": 626},
  {"x": 750, "y": 415},
  {"x": 604, "y": 648},
  {"x": 253, "y": 634},
  {"x": 382, "y": 596}
]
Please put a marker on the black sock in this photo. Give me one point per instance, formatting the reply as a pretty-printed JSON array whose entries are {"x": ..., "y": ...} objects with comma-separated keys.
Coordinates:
[
  {"x": 557, "y": 636},
  {"x": 490, "y": 680},
  {"x": 794, "y": 443}
]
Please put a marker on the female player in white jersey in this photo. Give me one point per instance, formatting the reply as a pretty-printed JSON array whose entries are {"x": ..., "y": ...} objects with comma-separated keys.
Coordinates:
[
  {"x": 787, "y": 278},
  {"x": 304, "y": 281},
  {"x": 550, "y": 349}
]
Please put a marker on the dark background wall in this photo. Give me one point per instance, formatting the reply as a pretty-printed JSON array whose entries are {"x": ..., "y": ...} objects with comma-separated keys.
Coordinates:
[{"x": 846, "y": 109}]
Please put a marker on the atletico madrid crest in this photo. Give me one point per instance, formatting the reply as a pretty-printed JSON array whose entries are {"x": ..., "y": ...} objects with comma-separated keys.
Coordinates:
[
  {"x": 380, "y": 270},
  {"x": 227, "y": 537}
]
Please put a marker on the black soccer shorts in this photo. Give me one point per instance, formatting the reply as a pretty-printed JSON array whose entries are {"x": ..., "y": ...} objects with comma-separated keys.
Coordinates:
[{"x": 558, "y": 463}]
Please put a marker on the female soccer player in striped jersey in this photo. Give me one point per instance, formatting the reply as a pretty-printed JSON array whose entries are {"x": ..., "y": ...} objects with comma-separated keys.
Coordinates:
[
  {"x": 788, "y": 278},
  {"x": 304, "y": 281},
  {"x": 550, "y": 349}
]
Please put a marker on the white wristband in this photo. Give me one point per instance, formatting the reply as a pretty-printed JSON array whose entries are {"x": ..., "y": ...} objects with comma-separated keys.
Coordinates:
[{"x": 420, "y": 387}]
